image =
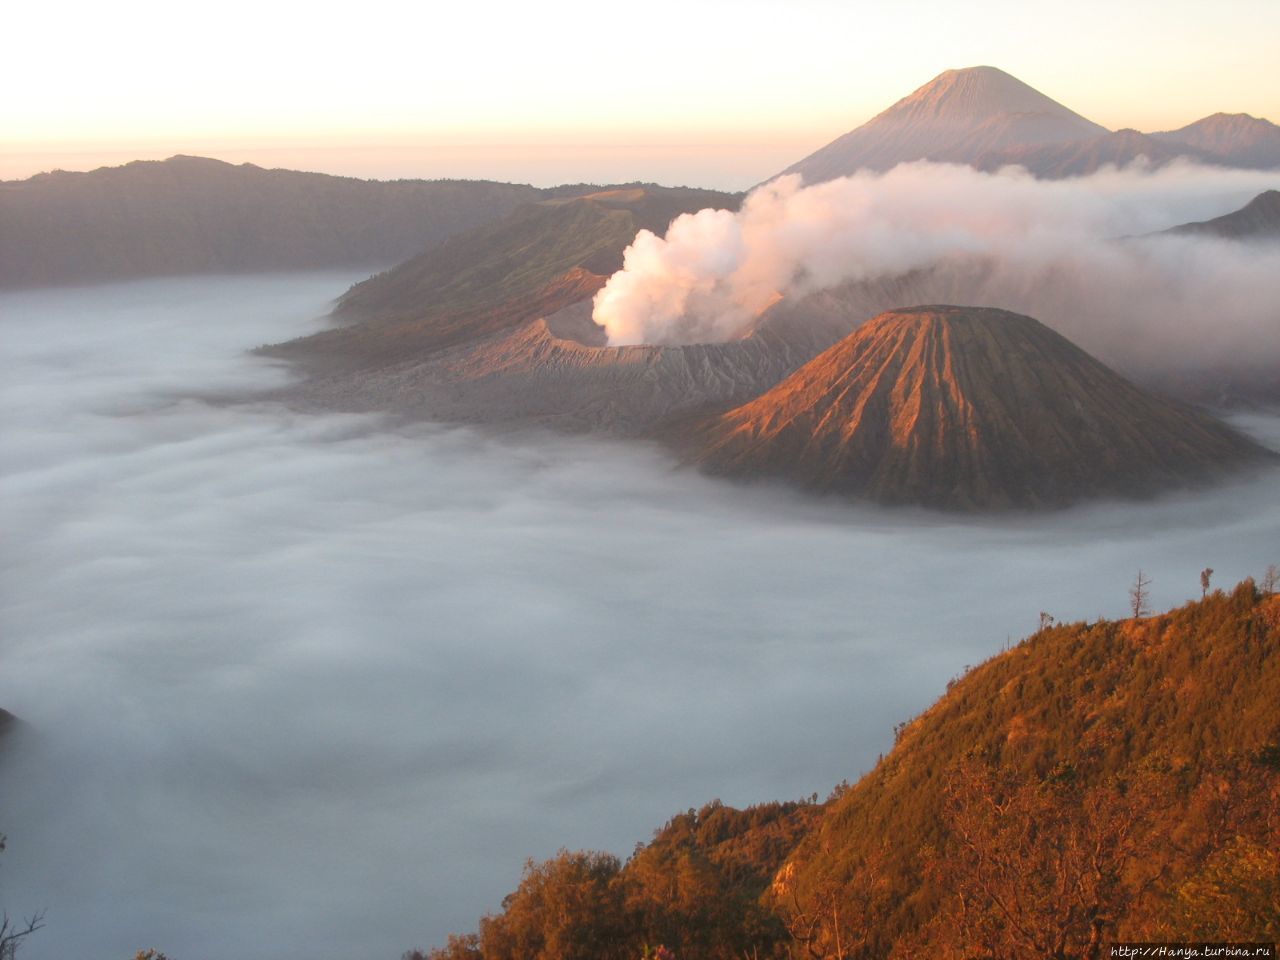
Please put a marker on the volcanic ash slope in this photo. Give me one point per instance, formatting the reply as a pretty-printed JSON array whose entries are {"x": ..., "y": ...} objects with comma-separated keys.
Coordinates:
[{"x": 967, "y": 408}]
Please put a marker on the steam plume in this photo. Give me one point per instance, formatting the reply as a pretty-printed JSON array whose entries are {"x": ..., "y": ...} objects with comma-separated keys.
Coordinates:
[{"x": 1045, "y": 247}]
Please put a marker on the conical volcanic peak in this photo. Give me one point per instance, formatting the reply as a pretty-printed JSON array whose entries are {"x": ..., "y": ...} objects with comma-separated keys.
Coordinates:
[
  {"x": 972, "y": 96},
  {"x": 958, "y": 116},
  {"x": 968, "y": 408}
]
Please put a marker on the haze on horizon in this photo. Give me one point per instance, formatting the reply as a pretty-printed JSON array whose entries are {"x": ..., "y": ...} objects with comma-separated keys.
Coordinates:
[{"x": 712, "y": 94}]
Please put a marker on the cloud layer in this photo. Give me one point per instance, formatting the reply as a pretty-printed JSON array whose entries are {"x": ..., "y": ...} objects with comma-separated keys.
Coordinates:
[{"x": 305, "y": 686}]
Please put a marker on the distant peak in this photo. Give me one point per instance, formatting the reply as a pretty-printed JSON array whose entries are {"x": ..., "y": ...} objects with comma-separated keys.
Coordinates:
[
  {"x": 1230, "y": 118},
  {"x": 979, "y": 71},
  {"x": 975, "y": 94},
  {"x": 959, "y": 116},
  {"x": 1226, "y": 122},
  {"x": 981, "y": 77},
  {"x": 180, "y": 158}
]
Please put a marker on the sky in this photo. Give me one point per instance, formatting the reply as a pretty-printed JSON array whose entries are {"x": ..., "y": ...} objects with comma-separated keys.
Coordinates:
[{"x": 705, "y": 92}]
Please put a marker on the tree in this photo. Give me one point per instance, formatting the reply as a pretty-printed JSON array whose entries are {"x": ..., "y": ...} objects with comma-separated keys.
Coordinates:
[
  {"x": 567, "y": 908},
  {"x": 1038, "y": 869},
  {"x": 1205, "y": 574},
  {"x": 13, "y": 932},
  {"x": 1139, "y": 595},
  {"x": 1270, "y": 579},
  {"x": 460, "y": 947},
  {"x": 840, "y": 917}
]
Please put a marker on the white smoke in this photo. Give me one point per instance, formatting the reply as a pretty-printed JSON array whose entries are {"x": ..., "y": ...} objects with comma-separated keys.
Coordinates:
[{"x": 715, "y": 271}]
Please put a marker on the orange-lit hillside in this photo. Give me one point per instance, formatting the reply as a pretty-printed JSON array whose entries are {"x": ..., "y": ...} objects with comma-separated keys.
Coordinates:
[{"x": 1099, "y": 781}]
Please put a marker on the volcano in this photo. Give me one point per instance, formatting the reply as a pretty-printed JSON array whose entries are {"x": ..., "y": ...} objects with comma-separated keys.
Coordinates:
[
  {"x": 959, "y": 116},
  {"x": 967, "y": 408}
]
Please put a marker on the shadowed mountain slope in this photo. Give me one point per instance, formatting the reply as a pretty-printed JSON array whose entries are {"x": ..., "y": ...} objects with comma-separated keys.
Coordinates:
[
  {"x": 958, "y": 116},
  {"x": 553, "y": 370},
  {"x": 495, "y": 327},
  {"x": 538, "y": 260},
  {"x": 967, "y": 408},
  {"x": 526, "y": 250},
  {"x": 1259, "y": 219},
  {"x": 196, "y": 215}
]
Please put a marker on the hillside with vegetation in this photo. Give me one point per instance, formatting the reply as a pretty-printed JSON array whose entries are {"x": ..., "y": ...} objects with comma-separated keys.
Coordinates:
[
  {"x": 695, "y": 890},
  {"x": 1100, "y": 781}
]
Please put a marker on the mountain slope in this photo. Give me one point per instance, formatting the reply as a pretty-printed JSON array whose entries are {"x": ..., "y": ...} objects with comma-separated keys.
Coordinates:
[
  {"x": 958, "y": 116},
  {"x": 694, "y": 889},
  {"x": 539, "y": 259},
  {"x": 1067, "y": 712},
  {"x": 553, "y": 370},
  {"x": 196, "y": 215},
  {"x": 1078, "y": 158},
  {"x": 525, "y": 250},
  {"x": 495, "y": 327},
  {"x": 1234, "y": 138},
  {"x": 967, "y": 408},
  {"x": 1259, "y": 219},
  {"x": 1099, "y": 781}
]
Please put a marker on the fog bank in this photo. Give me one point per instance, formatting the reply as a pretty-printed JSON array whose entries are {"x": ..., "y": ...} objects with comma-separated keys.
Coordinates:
[{"x": 306, "y": 686}]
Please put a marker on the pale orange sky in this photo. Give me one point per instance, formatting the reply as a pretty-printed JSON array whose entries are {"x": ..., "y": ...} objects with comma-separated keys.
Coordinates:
[{"x": 699, "y": 91}]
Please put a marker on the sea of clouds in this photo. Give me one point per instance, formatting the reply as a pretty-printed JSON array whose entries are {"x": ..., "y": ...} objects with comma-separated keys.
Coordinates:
[{"x": 307, "y": 685}]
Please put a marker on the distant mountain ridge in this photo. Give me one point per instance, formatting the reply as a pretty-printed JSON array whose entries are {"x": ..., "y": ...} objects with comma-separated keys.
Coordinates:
[
  {"x": 1078, "y": 158},
  {"x": 1259, "y": 219},
  {"x": 983, "y": 117},
  {"x": 1234, "y": 138},
  {"x": 189, "y": 215}
]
